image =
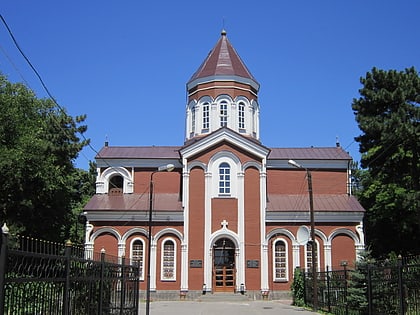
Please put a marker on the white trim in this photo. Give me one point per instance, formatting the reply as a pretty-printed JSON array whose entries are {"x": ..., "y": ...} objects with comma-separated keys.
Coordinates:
[
  {"x": 280, "y": 239},
  {"x": 102, "y": 180},
  {"x": 143, "y": 256},
  {"x": 168, "y": 239}
]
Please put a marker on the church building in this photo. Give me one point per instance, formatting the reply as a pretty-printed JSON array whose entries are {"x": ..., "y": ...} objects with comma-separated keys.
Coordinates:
[{"x": 222, "y": 210}]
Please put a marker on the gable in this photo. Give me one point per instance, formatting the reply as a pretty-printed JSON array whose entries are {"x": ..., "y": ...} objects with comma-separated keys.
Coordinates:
[{"x": 225, "y": 139}]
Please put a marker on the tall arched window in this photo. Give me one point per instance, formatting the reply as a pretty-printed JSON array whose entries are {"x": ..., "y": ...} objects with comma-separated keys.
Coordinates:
[
  {"x": 309, "y": 256},
  {"x": 116, "y": 185},
  {"x": 280, "y": 260},
  {"x": 137, "y": 255},
  {"x": 193, "y": 120},
  {"x": 241, "y": 115},
  {"x": 224, "y": 179},
  {"x": 223, "y": 113},
  {"x": 168, "y": 261},
  {"x": 206, "y": 115}
]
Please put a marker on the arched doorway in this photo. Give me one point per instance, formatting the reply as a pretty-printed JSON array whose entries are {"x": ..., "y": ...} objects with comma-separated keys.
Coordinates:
[{"x": 224, "y": 269}]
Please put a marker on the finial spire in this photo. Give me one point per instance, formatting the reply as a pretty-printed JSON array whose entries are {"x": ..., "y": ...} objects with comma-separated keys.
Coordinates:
[{"x": 223, "y": 33}]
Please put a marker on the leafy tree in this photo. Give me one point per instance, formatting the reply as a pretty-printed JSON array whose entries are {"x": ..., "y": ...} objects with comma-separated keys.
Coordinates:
[
  {"x": 388, "y": 115},
  {"x": 38, "y": 145},
  {"x": 298, "y": 287}
]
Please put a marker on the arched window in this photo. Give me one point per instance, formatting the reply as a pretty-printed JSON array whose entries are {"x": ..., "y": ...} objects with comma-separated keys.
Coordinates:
[
  {"x": 168, "y": 261},
  {"x": 137, "y": 255},
  {"x": 206, "y": 115},
  {"x": 308, "y": 257},
  {"x": 224, "y": 179},
  {"x": 241, "y": 115},
  {"x": 193, "y": 120},
  {"x": 280, "y": 260},
  {"x": 116, "y": 185},
  {"x": 223, "y": 113}
]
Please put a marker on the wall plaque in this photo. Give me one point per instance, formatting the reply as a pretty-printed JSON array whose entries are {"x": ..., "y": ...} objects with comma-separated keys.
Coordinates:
[{"x": 196, "y": 263}]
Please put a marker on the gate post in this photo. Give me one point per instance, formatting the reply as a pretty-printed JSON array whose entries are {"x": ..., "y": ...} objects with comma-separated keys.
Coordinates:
[
  {"x": 101, "y": 282},
  {"x": 66, "y": 293},
  {"x": 3, "y": 264},
  {"x": 400, "y": 285}
]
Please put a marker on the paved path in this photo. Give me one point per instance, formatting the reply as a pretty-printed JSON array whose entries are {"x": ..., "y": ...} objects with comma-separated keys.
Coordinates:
[{"x": 222, "y": 308}]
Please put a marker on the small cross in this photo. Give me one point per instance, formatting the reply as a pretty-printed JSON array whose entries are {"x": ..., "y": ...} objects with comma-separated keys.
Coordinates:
[{"x": 224, "y": 223}]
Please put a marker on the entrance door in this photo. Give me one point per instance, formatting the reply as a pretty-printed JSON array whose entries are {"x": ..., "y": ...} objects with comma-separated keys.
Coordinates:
[{"x": 224, "y": 266}]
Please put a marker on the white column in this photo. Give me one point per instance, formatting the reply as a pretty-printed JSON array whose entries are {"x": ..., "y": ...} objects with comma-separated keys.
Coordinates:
[
  {"x": 327, "y": 255},
  {"x": 240, "y": 262},
  {"x": 89, "y": 244},
  {"x": 121, "y": 251},
  {"x": 264, "y": 267},
  {"x": 296, "y": 256},
  {"x": 264, "y": 246},
  {"x": 214, "y": 117},
  {"x": 184, "y": 267},
  {"x": 153, "y": 266},
  {"x": 184, "y": 245}
]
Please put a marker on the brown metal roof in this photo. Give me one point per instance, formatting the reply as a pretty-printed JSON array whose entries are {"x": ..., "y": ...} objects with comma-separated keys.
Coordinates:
[
  {"x": 341, "y": 203},
  {"x": 223, "y": 60},
  {"x": 160, "y": 152},
  {"x": 172, "y": 152},
  {"x": 326, "y": 153},
  {"x": 127, "y": 202}
]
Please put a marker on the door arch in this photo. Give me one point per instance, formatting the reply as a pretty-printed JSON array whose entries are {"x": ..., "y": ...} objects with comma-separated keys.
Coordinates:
[{"x": 224, "y": 265}]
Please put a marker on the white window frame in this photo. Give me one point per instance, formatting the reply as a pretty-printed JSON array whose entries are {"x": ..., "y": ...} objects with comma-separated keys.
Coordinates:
[
  {"x": 223, "y": 113},
  {"x": 206, "y": 115},
  {"x": 132, "y": 261},
  {"x": 241, "y": 115},
  {"x": 162, "y": 261},
  {"x": 308, "y": 267},
  {"x": 286, "y": 255},
  {"x": 222, "y": 179}
]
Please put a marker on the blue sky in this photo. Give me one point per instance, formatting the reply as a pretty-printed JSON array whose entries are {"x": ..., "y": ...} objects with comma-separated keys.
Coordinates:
[{"x": 126, "y": 63}]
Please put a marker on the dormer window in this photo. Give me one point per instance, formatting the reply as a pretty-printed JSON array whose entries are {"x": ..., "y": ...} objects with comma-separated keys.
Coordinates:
[
  {"x": 116, "y": 185},
  {"x": 224, "y": 179}
]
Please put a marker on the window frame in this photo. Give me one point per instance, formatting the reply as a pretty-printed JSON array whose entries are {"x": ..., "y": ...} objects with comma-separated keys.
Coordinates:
[
  {"x": 308, "y": 256},
  {"x": 224, "y": 184},
  {"x": 206, "y": 115},
  {"x": 285, "y": 262},
  {"x": 172, "y": 264},
  {"x": 134, "y": 261},
  {"x": 223, "y": 113}
]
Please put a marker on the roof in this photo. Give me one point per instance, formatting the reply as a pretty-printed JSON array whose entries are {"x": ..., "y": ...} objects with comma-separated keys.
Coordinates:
[
  {"x": 223, "y": 61},
  {"x": 138, "y": 152},
  {"x": 298, "y": 203},
  {"x": 172, "y": 152},
  {"x": 127, "y": 202},
  {"x": 325, "y": 153}
]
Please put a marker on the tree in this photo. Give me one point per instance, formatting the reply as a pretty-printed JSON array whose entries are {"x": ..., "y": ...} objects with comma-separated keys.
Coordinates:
[
  {"x": 38, "y": 145},
  {"x": 388, "y": 115}
]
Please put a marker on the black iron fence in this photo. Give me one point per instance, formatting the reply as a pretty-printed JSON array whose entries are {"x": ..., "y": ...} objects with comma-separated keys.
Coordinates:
[
  {"x": 384, "y": 288},
  {"x": 39, "y": 277}
]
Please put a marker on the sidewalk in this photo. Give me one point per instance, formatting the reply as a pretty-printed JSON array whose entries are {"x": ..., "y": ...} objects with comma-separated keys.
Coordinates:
[{"x": 222, "y": 308}]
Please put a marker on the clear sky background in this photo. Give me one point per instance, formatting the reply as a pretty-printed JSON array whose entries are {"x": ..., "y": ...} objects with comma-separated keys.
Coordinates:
[{"x": 126, "y": 63}]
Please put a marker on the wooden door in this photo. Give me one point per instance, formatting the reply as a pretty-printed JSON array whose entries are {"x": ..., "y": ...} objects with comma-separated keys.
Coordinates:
[{"x": 224, "y": 266}]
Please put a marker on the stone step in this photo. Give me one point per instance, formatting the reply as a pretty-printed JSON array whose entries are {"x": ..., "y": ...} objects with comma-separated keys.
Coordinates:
[{"x": 223, "y": 297}]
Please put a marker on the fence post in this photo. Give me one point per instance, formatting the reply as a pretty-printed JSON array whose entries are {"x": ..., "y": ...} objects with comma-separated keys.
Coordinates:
[
  {"x": 400, "y": 285},
  {"x": 66, "y": 293},
  {"x": 101, "y": 282},
  {"x": 328, "y": 290},
  {"x": 122, "y": 286},
  {"x": 3, "y": 264}
]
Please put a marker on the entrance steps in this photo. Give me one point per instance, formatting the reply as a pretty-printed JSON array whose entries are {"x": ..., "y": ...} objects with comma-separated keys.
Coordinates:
[{"x": 223, "y": 297}]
